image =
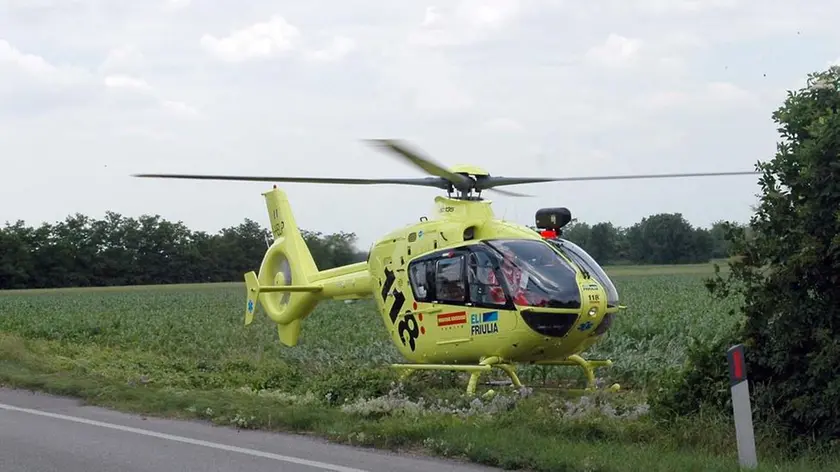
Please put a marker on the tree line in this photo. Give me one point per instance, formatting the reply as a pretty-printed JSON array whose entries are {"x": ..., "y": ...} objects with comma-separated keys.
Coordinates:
[
  {"x": 664, "y": 238},
  {"x": 118, "y": 250}
]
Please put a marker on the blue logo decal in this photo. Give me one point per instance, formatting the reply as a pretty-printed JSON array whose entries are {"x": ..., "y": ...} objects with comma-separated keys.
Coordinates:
[
  {"x": 420, "y": 234},
  {"x": 585, "y": 326},
  {"x": 484, "y": 323},
  {"x": 250, "y": 305}
]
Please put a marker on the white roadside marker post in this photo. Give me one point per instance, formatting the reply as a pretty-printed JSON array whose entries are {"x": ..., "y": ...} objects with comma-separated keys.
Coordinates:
[{"x": 741, "y": 408}]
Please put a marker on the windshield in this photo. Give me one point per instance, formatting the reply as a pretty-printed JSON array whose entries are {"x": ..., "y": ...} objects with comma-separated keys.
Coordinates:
[
  {"x": 583, "y": 259},
  {"x": 536, "y": 275}
]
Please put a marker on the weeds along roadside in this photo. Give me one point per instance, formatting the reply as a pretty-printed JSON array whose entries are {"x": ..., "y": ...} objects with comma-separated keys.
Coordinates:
[{"x": 186, "y": 353}]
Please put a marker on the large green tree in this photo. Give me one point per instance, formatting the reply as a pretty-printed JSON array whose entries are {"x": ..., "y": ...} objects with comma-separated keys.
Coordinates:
[
  {"x": 577, "y": 232},
  {"x": 603, "y": 242},
  {"x": 788, "y": 275},
  {"x": 667, "y": 238},
  {"x": 721, "y": 246}
]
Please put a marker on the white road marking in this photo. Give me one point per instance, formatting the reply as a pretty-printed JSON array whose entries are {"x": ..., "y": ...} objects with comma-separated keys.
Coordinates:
[{"x": 198, "y": 442}]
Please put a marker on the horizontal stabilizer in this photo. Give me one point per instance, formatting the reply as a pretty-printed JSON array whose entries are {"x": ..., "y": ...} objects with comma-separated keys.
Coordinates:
[
  {"x": 254, "y": 289},
  {"x": 290, "y": 288}
]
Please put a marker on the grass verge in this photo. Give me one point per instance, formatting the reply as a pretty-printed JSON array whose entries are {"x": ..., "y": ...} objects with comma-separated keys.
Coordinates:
[{"x": 538, "y": 431}]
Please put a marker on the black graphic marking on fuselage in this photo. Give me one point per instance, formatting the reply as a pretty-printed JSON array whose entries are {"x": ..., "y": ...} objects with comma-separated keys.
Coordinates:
[
  {"x": 389, "y": 282},
  {"x": 399, "y": 299},
  {"x": 410, "y": 327}
]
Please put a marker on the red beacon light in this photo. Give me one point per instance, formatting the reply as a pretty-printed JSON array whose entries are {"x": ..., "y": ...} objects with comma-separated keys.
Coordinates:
[{"x": 548, "y": 234}]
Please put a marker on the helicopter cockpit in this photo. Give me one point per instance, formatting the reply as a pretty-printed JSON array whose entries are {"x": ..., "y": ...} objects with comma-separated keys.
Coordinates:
[
  {"x": 588, "y": 264},
  {"x": 535, "y": 275},
  {"x": 501, "y": 273}
]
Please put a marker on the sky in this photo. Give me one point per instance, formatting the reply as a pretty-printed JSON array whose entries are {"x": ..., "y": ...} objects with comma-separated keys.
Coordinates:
[{"x": 92, "y": 91}]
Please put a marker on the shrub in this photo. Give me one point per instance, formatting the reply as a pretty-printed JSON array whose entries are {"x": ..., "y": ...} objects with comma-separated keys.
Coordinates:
[{"x": 788, "y": 273}]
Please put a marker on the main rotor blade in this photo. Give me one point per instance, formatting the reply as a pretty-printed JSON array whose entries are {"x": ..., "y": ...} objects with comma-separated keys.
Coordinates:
[
  {"x": 423, "y": 162},
  {"x": 508, "y": 192},
  {"x": 424, "y": 182},
  {"x": 491, "y": 182}
]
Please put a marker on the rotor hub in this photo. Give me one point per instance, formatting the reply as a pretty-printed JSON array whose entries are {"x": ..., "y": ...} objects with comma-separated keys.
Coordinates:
[{"x": 469, "y": 170}]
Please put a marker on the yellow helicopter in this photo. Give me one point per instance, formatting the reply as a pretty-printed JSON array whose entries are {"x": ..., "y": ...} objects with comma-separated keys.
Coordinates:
[{"x": 461, "y": 291}]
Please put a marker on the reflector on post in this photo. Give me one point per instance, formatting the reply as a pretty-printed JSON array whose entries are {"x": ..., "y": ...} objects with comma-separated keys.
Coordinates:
[{"x": 741, "y": 409}]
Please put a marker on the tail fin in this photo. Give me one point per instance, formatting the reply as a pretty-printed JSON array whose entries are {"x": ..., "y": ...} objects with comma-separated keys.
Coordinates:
[{"x": 283, "y": 285}]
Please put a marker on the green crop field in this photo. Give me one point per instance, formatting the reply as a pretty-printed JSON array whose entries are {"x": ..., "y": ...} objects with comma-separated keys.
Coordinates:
[{"x": 183, "y": 351}]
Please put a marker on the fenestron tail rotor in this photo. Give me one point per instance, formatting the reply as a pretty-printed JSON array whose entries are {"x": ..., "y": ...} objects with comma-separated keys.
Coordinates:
[{"x": 463, "y": 181}]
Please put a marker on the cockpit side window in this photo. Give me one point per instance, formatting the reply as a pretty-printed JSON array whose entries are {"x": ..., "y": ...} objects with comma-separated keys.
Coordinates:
[
  {"x": 450, "y": 284},
  {"x": 484, "y": 282},
  {"x": 418, "y": 275}
]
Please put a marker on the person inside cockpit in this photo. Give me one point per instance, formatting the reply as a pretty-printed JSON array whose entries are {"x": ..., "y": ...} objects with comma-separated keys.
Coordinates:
[
  {"x": 484, "y": 286},
  {"x": 450, "y": 282},
  {"x": 519, "y": 280}
]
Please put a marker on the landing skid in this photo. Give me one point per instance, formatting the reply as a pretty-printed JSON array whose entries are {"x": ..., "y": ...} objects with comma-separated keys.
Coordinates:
[
  {"x": 588, "y": 367},
  {"x": 489, "y": 363}
]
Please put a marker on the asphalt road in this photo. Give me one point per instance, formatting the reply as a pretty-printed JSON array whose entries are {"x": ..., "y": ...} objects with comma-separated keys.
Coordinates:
[{"x": 44, "y": 433}]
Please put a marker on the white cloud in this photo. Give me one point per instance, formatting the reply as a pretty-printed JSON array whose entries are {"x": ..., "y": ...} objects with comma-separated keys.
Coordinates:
[
  {"x": 725, "y": 92},
  {"x": 431, "y": 18},
  {"x": 142, "y": 92},
  {"x": 122, "y": 58},
  {"x": 272, "y": 39},
  {"x": 505, "y": 125},
  {"x": 38, "y": 68},
  {"x": 487, "y": 14},
  {"x": 178, "y": 4},
  {"x": 180, "y": 109},
  {"x": 340, "y": 47},
  {"x": 259, "y": 41},
  {"x": 658, "y": 55},
  {"x": 466, "y": 21},
  {"x": 713, "y": 96},
  {"x": 144, "y": 133},
  {"x": 72, "y": 80},
  {"x": 665, "y": 7},
  {"x": 426, "y": 81},
  {"x": 616, "y": 51},
  {"x": 35, "y": 65},
  {"x": 440, "y": 94},
  {"x": 127, "y": 82}
]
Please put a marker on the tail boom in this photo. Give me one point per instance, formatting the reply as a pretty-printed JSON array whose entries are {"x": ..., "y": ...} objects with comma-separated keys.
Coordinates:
[{"x": 348, "y": 282}]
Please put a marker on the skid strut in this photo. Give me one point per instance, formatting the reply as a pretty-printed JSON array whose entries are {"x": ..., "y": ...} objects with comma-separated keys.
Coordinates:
[
  {"x": 588, "y": 367},
  {"x": 489, "y": 363},
  {"x": 475, "y": 371}
]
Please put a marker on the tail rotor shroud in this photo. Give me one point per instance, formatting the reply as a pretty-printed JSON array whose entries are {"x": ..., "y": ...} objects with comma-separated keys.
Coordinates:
[{"x": 282, "y": 286}]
